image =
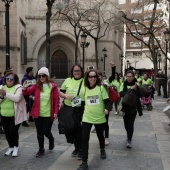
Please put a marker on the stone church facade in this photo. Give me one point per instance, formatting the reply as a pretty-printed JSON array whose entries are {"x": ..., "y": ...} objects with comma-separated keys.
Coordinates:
[{"x": 28, "y": 41}]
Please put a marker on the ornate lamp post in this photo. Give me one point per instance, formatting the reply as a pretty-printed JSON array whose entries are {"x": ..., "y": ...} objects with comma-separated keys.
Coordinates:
[
  {"x": 167, "y": 38},
  {"x": 7, "y": 5},
  {"x": 48, "y": 42},
  {"x": 121, "y": 57},
  {"x": 103, "y": 59},
  {"x": 159, "y": 61},
  {"x": 127, "y": 64},
  {"x": 84, "y": 45}
]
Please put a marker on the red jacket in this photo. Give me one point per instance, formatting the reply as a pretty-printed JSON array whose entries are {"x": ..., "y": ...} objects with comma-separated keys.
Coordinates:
[{"x": 54, "y": 97}]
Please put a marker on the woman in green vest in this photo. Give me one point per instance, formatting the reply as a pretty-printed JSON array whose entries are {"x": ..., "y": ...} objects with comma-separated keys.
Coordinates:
[
  {"x": 68, "y": 91},
  {"x": 96, "y": 101},
  {"x": 13, "y": 111}
]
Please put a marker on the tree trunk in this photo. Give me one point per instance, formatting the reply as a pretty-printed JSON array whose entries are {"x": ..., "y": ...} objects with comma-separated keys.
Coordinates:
[{"x": 96, "y": 54}]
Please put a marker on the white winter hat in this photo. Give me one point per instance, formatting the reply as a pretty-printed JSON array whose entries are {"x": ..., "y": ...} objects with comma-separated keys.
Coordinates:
[{"x": 44, "y": 70}]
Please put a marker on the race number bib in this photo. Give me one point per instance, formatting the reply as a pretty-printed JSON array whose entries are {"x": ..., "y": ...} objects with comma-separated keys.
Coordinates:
[
  {"x": 92, "y": 100},
  {"x": 76, "y": 101}
]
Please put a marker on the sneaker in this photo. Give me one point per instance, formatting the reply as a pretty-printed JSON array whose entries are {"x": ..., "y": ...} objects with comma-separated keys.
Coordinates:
[
  {"x": 15, "y": 151},
  {"x": 25, "y": 124},
  {"x": 115, "y": 113},
  {"x": 51, "y": 144},
  {"x": 103, "y": 154},
  {"x": 2, "y": 131},
  {"x": 129, "y": 144},
  {"x": 31, "y": 119},
  {"x": 79, "y": 156},
  {"x": 83, "y": 166},
  {"x": 106, "y": 141},
  {"x": 75, "y": 153},
  {"x": 9, "y": 151},
  {"x": 40, "y": 153}
]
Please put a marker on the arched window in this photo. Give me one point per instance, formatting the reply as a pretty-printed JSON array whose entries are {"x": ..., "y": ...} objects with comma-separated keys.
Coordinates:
[{"x": 23, "y": 49}]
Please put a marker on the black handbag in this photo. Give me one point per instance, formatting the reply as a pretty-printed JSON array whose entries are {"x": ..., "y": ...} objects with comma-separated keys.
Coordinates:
[
  {"x": 66, "y": 118},
  {"x": 130, "y": 98}
]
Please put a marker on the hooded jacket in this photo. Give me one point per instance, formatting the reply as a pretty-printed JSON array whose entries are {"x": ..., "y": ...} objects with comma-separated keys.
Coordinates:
[{"x": 54, "y": 99}]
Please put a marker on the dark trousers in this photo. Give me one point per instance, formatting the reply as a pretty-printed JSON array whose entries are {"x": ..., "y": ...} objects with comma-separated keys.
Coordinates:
[
  {"x": 11, "y": 131},
  {"x": 163, "y": 87},
  {"x": 43, "y": 127},
  {"x": 129, "y": 120},
  {"x": 106, "y": 130},
  {"x": 86, "y": 136},
  {"x": 76, "y": 135}
]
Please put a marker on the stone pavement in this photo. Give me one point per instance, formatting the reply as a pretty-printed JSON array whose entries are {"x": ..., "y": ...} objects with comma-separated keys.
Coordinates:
[{"x": 151, "y": 146}]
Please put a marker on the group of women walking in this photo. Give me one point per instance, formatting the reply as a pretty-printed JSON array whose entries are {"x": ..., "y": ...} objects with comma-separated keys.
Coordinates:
[{"x": 92, "y": 109}]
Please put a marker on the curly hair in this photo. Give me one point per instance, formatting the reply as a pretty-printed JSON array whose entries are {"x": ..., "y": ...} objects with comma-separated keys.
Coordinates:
[
  {"x": 86, "y": 81},
  {"x": 40, "y": 84},
  {"x": 16, "y": 78}
]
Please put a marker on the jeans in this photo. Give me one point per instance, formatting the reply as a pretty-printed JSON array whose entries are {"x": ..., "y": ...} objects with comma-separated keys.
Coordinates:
[
  {"x": 86, "y": 136},
  {"x": 43, "y": 127},
  {"x": 11, "y": 131}
]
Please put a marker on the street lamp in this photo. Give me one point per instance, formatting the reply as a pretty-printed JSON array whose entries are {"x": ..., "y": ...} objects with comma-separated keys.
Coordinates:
[
  {"x": 48, "y": 42},
  {"x": 167, "y": 38},
  {"x": 84, "y": 44},
  {"x": 127, "y": 64},
  {"x": 103, "y": 59},
  {"x": 159, "y": 60},
  {"x": 121, "y": 60},
  {"x": 7, "y": 5}
]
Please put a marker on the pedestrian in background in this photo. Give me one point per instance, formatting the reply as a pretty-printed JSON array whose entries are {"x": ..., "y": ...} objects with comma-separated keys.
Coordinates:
[
  {"x": 130, "y": 112},
  {"x": 68, "y": 91},
  {"x": 107, "y": 83},
  {"x": 13, "y": 111},
  {"x": 45, "y": 107},
  {"x": 29, "y": 98},
  {"x": 96, "y": 106}
]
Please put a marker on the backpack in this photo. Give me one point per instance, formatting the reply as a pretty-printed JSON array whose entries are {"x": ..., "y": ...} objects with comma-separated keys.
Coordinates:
[{"x": 145, "y": 91}]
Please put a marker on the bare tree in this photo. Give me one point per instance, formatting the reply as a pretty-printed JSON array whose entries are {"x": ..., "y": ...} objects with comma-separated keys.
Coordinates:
[
  {"x": 94, "y": 17},
  {"x": 149, "y": 25}
]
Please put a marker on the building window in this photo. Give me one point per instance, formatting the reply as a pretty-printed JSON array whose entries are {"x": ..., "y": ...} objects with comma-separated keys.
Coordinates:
[
  {"x": 135, "y": 44},
  {"x": 136, "y": 33},
  {"x": 23, "y": 49},
  {"x": 136, "y": 10},
  {"x": 134, "y": 1},
  {"x": 122, "y": 1}
]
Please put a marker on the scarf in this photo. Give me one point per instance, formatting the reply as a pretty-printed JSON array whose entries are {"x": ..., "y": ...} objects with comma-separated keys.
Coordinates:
[{"x": 126, "y": 83}]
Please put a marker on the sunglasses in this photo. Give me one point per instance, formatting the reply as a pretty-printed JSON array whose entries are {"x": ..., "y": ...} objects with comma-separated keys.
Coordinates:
[
  {"x": 9, "y": 78},
  {"x": 43, "y": 75},
  {"x": 76, "y": 70},
  {"x": 92, "y": 76}
]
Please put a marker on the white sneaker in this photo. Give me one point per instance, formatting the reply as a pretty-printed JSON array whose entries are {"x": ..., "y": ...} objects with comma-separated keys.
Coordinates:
[
  {"x": 115, "y": 113},
  {"x": 106, "y": 141},
  {"x": 15, "y": 151},
  {"x": 9, "y": 151}
]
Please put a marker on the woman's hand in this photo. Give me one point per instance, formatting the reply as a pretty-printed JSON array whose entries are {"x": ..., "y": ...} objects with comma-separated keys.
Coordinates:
[
  {"x": 134, "y": 86},
  {"x": 25, "y": 84},
  {"x": 2, "y": 92},
  {"x": 112, "y": 64},
  {"x": 55, "y": 116},
  {"x": 106, "y": 112},
  {"x": 68, "y": 97}
]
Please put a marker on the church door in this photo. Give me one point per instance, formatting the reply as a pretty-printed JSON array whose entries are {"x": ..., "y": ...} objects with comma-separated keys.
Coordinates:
[{"x": 59, "y": 65}]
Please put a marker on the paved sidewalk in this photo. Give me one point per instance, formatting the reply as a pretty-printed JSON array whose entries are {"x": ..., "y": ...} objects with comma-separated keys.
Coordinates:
[{"x": 151, "y": 146}]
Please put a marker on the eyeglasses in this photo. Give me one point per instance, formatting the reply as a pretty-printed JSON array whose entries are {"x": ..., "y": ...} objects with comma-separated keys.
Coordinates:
[
  {"x": 9, "y": 78},
  {"x": 76, "y": 70},
  {"x": 92, "y": 77},
  {"x": 129, "y": 76},
  {"x": 42, "y": 75}
]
